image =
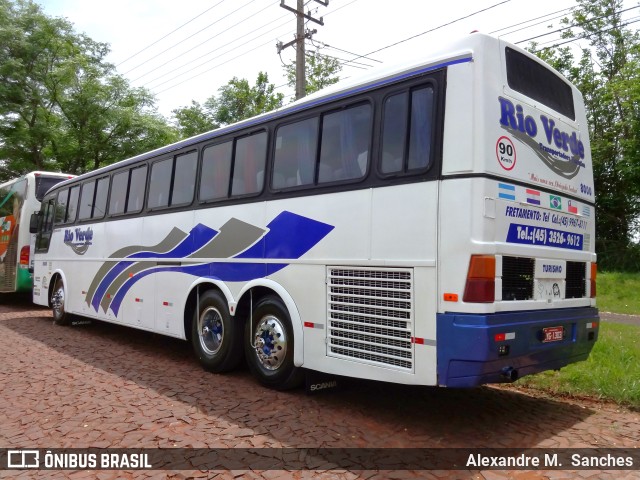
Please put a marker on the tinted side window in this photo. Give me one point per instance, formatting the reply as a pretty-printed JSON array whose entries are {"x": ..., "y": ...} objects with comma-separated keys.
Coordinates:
[
  {"x": 407, "y": 131},
  {"x": 86, "y": 200},
  {"x": 118, "y": 198},
  {"x": 394, "y": 132},
  {"x": 61, "y": 206},
  {"x": 248, "y": 165},
  {"x": 184, "y": 180},
  {"x": 216, "y": 169},
  {"x": 100, "y": 205},
  {"x": 344, "y": 150},
  {"x": 160, "y": 184},
  {"x": 72, "y": 208},
  {"x": 136, "y": 189},
  {"x": 295, "y": 154}
]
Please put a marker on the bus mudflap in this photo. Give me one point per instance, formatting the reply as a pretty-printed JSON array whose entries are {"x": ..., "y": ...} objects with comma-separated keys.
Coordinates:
[{"x": 502, "y": 347}]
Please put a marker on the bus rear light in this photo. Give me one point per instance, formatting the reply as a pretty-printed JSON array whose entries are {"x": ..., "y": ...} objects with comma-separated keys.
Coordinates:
[
  {"x": 450, "y": 297},
  {"x": 594, "y": 274},
  {"x": 24, "y": 255},
  {"x": 481, "y": 280}
]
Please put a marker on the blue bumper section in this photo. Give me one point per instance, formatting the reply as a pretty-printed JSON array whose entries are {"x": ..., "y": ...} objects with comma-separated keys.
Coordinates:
[{"x": 472, "y": 350}]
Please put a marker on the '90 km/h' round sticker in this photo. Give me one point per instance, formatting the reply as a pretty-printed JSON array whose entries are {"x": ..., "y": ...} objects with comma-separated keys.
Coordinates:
[{"x": 506, "y": 153}]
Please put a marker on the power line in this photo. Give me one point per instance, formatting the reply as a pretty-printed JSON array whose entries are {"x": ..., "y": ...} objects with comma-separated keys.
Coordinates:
[
  {"x": 587, "y": 35},
  {"x": 566, "y": 10},
  {"x": 432, "y": 29},
  {"x": 170, "y": 33},
  {"x": 578, "y": 24},
  {"x": 165, "y": 63},
  {"x": 220, "y": 64},
  {"x": 190, "y": 36}
]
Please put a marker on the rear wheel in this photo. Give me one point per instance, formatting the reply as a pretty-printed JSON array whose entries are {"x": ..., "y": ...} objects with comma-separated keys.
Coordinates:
[
  {"x": 58, "y": 298},
  {"x": 269, "y": 346},
  {"x": 215, "y": 336}
]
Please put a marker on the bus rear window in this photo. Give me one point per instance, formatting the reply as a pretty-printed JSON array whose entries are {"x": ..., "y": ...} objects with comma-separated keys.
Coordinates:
[{"x": 532, "y": 79}]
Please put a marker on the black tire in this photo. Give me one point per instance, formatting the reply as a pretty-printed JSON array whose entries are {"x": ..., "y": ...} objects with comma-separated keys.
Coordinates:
[
  {"x": 58, "y": 299},
  {"x": 269, "y": 346},
  {"x": 215, "y": 336}
]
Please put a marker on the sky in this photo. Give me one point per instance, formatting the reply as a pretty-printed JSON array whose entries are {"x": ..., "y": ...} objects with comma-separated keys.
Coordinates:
[{"x": 186, "y": 50}]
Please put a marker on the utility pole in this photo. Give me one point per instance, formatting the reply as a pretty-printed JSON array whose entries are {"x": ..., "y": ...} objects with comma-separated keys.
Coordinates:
[{"x": 300, "y": 37}]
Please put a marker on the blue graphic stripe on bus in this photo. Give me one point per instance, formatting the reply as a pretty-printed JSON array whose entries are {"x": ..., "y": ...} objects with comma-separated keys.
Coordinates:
[
  {"x": 198, "y": 236},
  {"x": 506, "y": 191},
  {"x": 548, "y": 237},
  {"x": 289, "y": 237}
]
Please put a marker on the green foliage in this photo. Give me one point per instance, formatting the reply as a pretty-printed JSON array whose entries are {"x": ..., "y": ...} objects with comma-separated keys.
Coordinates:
[
  {"x": 62, "y": 107},
  {"x": 320, "y": 71},
  {"x": 612, "y": 371},
  {"x": 618, "y": 292},
  {"x": 237, "y": 100},
  {"x": 607, "y": 74},
  {"x": 194, "y": 120}
]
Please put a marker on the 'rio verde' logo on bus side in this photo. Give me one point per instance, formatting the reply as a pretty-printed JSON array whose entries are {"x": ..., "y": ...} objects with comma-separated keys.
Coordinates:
[
  {"x": 563, "y": 152},
  {"x": 78, "y": 239}
]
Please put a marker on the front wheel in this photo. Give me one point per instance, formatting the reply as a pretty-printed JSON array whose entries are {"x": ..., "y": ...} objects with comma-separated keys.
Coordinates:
[
  {"x": 215, "y": 336},
  {"x": 269, "y": 346},
  {"x": 58, "y": 297}
]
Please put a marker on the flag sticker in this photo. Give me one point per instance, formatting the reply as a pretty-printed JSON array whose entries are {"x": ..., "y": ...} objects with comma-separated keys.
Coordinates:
[
  {"x": 533, "y": 196},
  {"x": 586, "y": 211},
  {"x": 506, "y": 191},
  {"x": 572, "y": 208},
  {"x": 555, "y": 202}
]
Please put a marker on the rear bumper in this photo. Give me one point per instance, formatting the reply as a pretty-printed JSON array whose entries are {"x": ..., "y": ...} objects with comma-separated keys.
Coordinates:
[{"x": 470, "y": 353}]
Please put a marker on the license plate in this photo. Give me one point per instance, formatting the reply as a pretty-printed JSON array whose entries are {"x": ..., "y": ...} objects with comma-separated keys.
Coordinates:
[{"x": 552, "y": 334}]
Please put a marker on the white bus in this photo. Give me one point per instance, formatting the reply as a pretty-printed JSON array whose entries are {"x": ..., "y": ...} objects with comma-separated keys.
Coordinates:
[
  {"x": 431, "y": 224},
  {"x": 19, "y": 198}
]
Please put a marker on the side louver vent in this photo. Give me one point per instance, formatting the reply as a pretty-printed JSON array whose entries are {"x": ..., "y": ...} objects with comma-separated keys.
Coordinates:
[{"x": 371, "y": 315}]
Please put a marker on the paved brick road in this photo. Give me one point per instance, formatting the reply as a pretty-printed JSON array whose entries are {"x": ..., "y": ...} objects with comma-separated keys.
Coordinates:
[{"x": 100, "y": 385}]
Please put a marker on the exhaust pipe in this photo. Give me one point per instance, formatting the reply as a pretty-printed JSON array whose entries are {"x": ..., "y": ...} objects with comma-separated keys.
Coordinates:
[{"x": 510, "y": 373}]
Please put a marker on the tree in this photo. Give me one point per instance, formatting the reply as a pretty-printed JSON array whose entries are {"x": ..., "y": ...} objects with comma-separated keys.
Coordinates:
[
  {"x": 607, "y": 73},
  {"x": 320, "y": 71},
  {"x": 62, "y": 107},
  {"x": 236, "y": 101},
  {"x": 194, "y": 120}
]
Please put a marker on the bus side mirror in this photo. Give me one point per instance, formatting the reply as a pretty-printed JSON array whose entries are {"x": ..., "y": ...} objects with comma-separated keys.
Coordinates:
[{"x": 34, "y": 222}]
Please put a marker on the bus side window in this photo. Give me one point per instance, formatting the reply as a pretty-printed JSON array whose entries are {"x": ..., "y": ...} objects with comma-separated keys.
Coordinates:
[
  {"x": 249, "y": 162},
  {"x": 61, "y": 206},
  {"x": 295, "y": 154},
  {"x": 72, "y": 207},
  {"x": 407, "y": 130},
  {"x": 118, "y": 192},
  {"x": 216, "y": 169},
  {"x": 394, "y": 127},
  {"x": 160, "y": 184},
  {"x": 184, "y": 179},
  {"x": 136, "y": 189},
  {"x": 102, "y": 192},
  {"x": 86, "y": 200},
  {"x": 344, "y": 151}
]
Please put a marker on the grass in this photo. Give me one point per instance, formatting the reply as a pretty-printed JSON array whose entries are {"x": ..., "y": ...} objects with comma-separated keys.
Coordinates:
[
  {"x": 619, "y": 292},
  {"x": 612, "y": 371}
]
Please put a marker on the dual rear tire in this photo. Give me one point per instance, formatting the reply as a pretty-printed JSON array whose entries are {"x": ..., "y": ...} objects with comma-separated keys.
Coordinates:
[{"x": 267, "y": 336}]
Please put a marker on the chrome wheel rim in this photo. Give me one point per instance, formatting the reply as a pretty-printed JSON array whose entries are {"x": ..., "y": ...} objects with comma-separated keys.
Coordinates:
[
  {"x": 57, "y": 302},
  {"x": 270, "y": 342},
  {"x": 211, "y": 330}
]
